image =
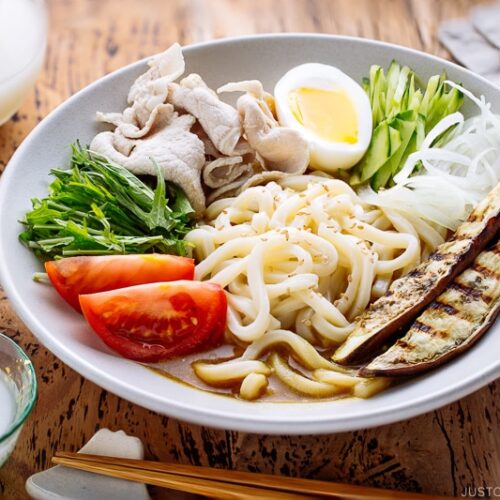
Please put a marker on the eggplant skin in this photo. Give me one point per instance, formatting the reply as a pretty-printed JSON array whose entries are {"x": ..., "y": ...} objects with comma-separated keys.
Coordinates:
[
  {"x": 409, "y": 295},
  {"x": 450, "y": 325}
]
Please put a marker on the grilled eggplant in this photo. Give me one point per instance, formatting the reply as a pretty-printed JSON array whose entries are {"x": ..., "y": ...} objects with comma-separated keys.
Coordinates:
[
  {"x": 451, "y": 323},
  {"x": 409, "y": 295}
]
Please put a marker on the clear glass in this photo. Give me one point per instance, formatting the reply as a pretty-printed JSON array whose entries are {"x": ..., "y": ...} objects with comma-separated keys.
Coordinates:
[
  {"x": 23, "y": 38},
  {"x": 17, "y": 394}
]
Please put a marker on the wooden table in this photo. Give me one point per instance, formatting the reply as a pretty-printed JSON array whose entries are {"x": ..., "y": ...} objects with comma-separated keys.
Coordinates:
[{"x": 441, "y": 452}]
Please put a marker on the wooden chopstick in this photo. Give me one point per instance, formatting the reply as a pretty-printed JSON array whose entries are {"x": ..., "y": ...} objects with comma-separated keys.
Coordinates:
[
  {"x": 197, "y": 486},
  {"x": 222, "y": 483}
]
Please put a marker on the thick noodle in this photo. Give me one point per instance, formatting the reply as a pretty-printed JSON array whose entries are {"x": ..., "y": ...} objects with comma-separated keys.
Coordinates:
[{"x": 299, "y": 260}]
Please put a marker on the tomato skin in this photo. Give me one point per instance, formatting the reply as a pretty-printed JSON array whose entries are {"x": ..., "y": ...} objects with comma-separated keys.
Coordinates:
[
  {"x": 74, "y": 276},
  {"x": 157, "y": 321}
]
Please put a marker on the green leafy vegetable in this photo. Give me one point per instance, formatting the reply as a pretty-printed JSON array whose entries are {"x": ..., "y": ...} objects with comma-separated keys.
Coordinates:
[
  {"x": 100, "y": 208},
  {"x": 402, "y": 116}
]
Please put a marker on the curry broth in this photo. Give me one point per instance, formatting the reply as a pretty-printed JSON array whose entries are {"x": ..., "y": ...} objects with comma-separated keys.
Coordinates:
[{"x": 181, "y": 371}]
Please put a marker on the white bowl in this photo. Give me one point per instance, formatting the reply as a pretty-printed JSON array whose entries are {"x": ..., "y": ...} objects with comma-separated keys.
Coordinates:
[{"x": 66, "y": 334}]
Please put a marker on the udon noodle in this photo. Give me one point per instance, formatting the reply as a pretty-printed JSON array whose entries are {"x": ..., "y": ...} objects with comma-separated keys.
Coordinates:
[{"x": 300, "y": 259}]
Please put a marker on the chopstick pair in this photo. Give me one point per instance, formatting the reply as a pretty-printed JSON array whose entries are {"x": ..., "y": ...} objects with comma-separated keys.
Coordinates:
[{"x": 220, "y": 483}]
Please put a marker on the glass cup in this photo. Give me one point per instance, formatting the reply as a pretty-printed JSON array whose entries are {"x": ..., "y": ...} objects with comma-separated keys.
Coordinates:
[
  {"x": 17, "y": 394},
  {"x": 23, "y": 36}
]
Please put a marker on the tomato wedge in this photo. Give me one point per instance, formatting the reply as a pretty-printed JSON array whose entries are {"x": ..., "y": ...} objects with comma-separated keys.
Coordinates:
[
  {"x": 158, "y": 321},
  {"x": 74, "y": 276}
]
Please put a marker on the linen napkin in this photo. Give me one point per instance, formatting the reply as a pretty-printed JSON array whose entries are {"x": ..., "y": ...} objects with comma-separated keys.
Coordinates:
[
  {"x": 486, "y": 19},
  {"x": 475, "y": 42}
]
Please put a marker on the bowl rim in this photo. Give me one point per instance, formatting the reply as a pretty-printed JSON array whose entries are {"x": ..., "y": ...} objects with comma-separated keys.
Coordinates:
[
  {"x": 218, "y": 418},
  {"x": 28, "y": 407}
]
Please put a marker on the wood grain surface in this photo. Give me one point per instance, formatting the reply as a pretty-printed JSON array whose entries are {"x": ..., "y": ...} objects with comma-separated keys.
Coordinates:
[{"x": 442, "y": 452}]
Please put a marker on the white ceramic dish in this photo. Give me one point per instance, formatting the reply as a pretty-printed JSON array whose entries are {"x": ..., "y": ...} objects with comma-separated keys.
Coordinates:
[{"x": 65, "y": 333}]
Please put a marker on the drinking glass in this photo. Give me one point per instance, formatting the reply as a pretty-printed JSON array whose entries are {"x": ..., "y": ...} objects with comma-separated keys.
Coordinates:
[
  {"x": 23, "y": 37},
  {"x": 17, "y": 393}
]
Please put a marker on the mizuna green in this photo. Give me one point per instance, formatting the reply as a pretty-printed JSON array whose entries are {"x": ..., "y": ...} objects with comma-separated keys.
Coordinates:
[{"x": 100, "y": 208}]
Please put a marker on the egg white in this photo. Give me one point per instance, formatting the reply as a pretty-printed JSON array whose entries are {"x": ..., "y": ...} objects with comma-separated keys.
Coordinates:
[{"x": 326, "y": 155}]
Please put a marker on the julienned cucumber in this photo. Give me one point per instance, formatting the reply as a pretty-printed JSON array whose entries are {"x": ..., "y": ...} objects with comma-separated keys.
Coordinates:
[{"x": 402, "y": 115}]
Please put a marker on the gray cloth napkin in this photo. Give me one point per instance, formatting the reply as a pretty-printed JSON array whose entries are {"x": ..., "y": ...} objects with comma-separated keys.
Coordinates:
[
  {"x": 486, "y": 19},
  {"x": 475, "y": 42}
]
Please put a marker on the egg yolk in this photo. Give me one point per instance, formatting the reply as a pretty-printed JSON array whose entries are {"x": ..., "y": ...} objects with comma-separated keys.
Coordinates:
[{"x": 330, "y": 114}]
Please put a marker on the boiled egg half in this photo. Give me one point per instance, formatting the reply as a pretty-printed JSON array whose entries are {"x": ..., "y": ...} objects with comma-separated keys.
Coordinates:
[{"x": 331, "y": 111}]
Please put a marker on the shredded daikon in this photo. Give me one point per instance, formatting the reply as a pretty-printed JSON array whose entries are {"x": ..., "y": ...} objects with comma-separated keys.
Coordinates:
[{"x": 453, "y": 175}]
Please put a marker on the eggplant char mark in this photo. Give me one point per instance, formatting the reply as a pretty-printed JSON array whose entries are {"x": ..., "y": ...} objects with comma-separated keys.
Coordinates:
[
  {"x": 468, "y": 292},
  {"x": 415, "y": 273},
  {"x": 446, "y": 308},
  {"x": 438, "y": 256},
  {"x": 418, "y": 325},
  {"x": 486, "y": 271},
  {"x": 430, "y": 330}
]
